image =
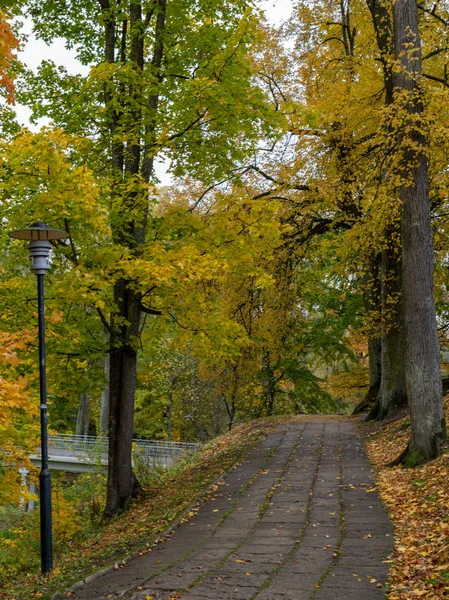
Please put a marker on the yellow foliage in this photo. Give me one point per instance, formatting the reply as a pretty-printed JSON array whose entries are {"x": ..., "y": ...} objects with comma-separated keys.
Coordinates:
[
  {"x": 66, "y": 521},
  {"x": 19, "y": 419}
]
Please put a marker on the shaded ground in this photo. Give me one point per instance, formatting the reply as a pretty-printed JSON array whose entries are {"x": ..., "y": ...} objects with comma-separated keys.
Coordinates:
[{"x": 298, "y": 520}]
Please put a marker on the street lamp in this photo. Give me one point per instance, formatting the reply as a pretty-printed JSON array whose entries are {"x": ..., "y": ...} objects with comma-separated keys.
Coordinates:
[{"x": 39, "y": 235}]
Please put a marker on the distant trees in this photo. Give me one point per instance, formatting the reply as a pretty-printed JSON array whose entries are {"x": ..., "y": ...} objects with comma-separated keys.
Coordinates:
[{"x": 375, "y": 126}]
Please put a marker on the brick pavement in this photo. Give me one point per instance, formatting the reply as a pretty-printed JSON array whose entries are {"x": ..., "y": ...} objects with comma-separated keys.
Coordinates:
[{"x": 298, "y": 520}]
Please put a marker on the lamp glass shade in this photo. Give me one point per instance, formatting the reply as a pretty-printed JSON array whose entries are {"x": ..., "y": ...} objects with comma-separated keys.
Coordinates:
[{"x": 39, "y": 231}]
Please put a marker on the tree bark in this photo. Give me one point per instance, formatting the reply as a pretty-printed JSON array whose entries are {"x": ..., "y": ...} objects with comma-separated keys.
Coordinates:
[
  {"x": 422, "y": 357},
  {"x": 231, "y": 408},
  {"x": 392, "y": 395},
  {"x": 82, "y": 419},
  {"x": 122, "y": 483},
  {"x": 383, "y": 28},
  {"x": 268, "y": 383},
  {"x": 104, "y": 406},
  {"x": 372, "y": 304}
]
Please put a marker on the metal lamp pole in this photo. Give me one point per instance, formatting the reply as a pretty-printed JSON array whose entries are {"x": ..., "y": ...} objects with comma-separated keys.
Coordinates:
[{"x": 39, "y": 236}]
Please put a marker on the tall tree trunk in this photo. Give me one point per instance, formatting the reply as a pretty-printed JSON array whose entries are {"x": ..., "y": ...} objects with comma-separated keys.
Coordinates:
[
  {"x": 132, "y": 150},
  {"x": 422, "y": 357},
  {"x": 122, "y": 483},
  {"x": 392, "y": 395},
  {"x": 231, "y": 405},
  {"x": 231, "y": 410},
  {"x": 375, "y": 368}
]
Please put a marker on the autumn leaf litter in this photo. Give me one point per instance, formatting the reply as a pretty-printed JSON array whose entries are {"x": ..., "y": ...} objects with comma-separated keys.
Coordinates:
[{"x": 418, "y": 504}]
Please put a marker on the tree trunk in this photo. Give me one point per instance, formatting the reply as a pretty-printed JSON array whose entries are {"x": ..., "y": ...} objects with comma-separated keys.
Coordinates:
[
  {"x": 372, "y": 302},
  {"x": 392, "y": 395},
  {"x": 82, "y": 419},
  {"x": 132, "y": 162},
  {"x": 422, "y": 357},
  {"x": 375, "y": 376},
  {"x": 383, "y": 28},
  {"x": 268, "y": 383},
  {"x": 375, "y": 367},
  {"x": 231, "y": 406},
  {"x": 231, "y": 410},
  {"x": 104, "y": 407},
  {"x": 122, "y": 484}
]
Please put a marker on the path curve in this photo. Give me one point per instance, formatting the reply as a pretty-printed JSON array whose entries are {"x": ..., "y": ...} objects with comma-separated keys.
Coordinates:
[{"x": 298, "y": 520}]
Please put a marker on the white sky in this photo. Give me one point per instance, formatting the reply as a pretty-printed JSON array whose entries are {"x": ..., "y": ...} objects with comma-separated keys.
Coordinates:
[{"x": 36, "y": 50}]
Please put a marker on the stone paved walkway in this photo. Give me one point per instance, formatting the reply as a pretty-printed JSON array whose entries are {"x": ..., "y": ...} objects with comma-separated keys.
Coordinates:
[{"x": 298, "y": 520}]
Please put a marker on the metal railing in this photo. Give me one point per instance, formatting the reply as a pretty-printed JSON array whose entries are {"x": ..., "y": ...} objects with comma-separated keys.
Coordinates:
[{"x": 93, "y": 446}]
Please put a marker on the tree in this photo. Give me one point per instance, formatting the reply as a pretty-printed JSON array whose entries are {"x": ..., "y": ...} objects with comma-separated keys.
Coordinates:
[
  {"x": 170, "y": 78},
  {"x": 391, "y": 394},
  {"x": 422, "y": 358}
]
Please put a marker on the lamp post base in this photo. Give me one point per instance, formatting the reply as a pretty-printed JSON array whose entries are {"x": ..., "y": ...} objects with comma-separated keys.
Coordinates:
[{"x": 46, "y": 529}]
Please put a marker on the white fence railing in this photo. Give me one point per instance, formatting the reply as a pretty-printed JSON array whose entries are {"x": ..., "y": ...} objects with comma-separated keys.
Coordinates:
[{"x": 146, "y": 450}]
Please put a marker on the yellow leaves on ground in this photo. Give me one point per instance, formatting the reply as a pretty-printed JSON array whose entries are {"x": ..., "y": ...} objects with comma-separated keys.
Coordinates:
[{"x": 418, "y": 504}]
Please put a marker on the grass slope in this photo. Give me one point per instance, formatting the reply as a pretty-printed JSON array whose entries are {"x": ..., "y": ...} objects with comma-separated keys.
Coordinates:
[{"x": 166, "y": 501}]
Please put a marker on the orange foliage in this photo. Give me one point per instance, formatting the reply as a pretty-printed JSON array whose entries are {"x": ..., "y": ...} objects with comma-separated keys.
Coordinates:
[
  {"x": 8, "y": 43},
  {"x": 18, "y": 414}
]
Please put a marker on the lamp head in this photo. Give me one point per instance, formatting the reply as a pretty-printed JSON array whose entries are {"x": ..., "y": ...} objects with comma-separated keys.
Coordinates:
[
  {"x": 38, "y": 231},
  {"x": 39, "y": 235}
]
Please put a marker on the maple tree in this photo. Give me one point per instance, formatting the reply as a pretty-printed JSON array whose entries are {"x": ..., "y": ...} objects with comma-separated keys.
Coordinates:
[
  {"x": 391, "y": 395},
  {"x": 278, "y": 274}
]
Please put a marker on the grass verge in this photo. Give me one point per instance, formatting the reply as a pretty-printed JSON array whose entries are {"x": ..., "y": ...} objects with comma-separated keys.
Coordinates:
[{"x": 169, "y": 496}]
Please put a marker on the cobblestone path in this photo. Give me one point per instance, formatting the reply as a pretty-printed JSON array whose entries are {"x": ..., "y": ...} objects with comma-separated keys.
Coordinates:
[{"x": 299, "y": 520}]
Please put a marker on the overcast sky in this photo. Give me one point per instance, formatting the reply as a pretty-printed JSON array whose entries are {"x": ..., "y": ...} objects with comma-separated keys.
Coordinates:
[{"x": 36, "y": 50}]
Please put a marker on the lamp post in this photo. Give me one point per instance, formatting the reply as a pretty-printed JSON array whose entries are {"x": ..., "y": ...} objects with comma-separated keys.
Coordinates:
[{"x": 39, "y": 236}]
